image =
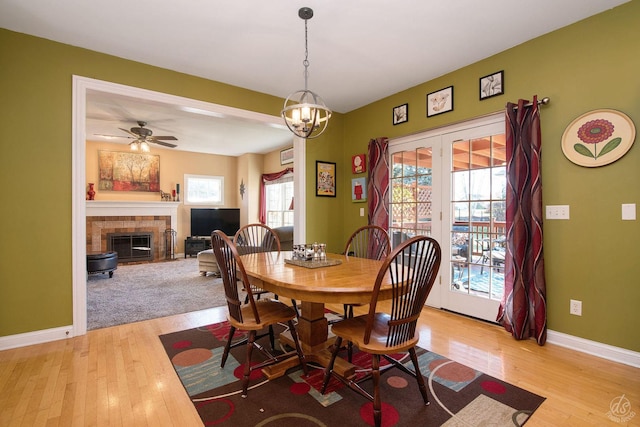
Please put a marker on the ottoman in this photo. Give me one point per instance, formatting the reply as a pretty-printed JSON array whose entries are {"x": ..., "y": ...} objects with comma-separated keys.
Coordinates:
[
  {"x": 102, "y": 262},
  {"x": 207, "y": 263}
]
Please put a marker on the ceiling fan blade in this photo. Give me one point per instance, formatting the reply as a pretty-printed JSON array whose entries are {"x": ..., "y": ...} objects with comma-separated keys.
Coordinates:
[
  {"x": 114, "y": 136},
  {"x": 130, "y": 133},
  {"x": 170, "y": 138},
  {"x": 166, "y": 144}
]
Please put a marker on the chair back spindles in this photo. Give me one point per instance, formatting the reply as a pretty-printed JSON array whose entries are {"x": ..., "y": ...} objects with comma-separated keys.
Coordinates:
[
  {"x": 369, "y": 241},
  {"x": 412, "y": 269},
  {"x": 254, "y": 238}
]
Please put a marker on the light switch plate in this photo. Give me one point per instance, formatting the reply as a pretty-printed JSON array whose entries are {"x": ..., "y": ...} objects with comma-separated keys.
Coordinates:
[
  {"x": 557, "y": 212},
  {"x": 629, "y": 211},
  {"x": 361, "y": 211}
]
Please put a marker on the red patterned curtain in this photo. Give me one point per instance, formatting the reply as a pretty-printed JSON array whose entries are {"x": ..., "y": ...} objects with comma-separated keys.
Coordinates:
[
  {"x": 263, "y": 191},
  {"x": 523, "y": 310},
  {"x": 378, "y": 182}
]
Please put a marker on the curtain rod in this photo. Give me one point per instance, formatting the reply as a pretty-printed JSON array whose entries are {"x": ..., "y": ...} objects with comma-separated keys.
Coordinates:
[{"x": 543, "y": 101}]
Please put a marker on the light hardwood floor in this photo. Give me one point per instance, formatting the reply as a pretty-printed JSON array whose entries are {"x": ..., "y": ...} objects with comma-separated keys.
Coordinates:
[{"x": 121, "y": 375}]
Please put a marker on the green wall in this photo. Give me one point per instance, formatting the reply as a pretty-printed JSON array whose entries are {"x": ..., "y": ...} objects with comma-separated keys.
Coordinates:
[
  {"x": 589, "y": 65},
  {"x": 593, "y": 257},
  {"x": 36, "y": 165}
]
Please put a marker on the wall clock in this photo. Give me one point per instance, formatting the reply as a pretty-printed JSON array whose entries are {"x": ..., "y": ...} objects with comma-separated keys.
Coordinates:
[
  {"x": 359, "y": 163},
  {"x": 598, "y": 138}
]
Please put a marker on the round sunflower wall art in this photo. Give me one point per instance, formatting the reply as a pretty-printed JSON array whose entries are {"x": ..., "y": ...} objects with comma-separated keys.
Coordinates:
[{"x": 598, "y": 138}]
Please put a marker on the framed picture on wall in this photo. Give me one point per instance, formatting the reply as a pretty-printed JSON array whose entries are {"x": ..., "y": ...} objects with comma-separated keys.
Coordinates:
[
  {"x": 359, "y": 190},
  {"x": 127, "y": 171},
  {"x": 286, "y": 156},
  {"x": 440, "y": 101},
  {"x": 401, "y": 114},
  {"x": 492, "y": 85},
  {"x": 325, "y": 179}
]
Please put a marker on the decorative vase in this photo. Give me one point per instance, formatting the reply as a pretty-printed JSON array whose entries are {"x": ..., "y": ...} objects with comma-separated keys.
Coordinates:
[{"x": 91, "y": 193}]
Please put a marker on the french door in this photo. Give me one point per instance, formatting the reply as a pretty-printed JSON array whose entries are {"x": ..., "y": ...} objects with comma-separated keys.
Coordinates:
[{"x": 450, "y": 184}]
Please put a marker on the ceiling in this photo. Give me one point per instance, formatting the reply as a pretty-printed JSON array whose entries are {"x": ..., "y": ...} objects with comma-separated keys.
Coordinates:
[{"x": 359, "y": 51}]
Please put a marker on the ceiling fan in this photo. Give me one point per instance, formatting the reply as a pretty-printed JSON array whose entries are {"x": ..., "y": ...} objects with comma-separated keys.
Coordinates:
[{"x": 141, "y": 134}]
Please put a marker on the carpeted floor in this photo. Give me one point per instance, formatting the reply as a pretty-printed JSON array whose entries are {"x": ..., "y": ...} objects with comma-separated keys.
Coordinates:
[
  {"x": 459, "y": 395},
  {"x": 147, "y": 291}
]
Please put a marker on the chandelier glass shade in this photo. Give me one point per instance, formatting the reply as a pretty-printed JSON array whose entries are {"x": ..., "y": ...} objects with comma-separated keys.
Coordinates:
[{"x": 304, "y": 112}]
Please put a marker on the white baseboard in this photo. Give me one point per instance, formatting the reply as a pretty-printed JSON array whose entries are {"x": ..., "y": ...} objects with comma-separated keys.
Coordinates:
[
  {"x": 605, "y": 351},
  {"x": 37, "y": 337}
]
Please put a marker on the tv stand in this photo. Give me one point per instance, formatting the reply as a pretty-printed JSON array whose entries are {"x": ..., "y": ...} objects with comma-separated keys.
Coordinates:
[{"x": 195, "y": 244}]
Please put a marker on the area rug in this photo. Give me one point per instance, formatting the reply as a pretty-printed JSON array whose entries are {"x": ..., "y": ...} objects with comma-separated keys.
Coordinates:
[
  {"x": 459, "y": 395},
  {"x": 147, "y": 291}
]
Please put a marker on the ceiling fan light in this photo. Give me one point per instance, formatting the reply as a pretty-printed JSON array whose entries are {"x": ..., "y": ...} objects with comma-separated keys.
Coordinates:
[
  {"x": 144, "y": 146},
  {"x": 134, "y": 146}
]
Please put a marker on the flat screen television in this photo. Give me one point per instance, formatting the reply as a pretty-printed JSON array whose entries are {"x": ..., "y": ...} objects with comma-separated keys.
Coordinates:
[{"x": 205, "y": 221}]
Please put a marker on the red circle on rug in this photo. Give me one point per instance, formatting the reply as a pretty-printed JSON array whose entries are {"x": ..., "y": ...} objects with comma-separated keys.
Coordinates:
[
  {"x": 493, "y": 387},
  {"x": 191, "y": 357},
  {"x": 452, "y": 371},
  {"x": 397, "y": 382},
  {"x": 390, "y": 415},
  {"x": 217, "y": 406},
  {"x": 182, "y": 344},
  {"x": 300, "y": 388},
  {"x": 254, "y": 375}
]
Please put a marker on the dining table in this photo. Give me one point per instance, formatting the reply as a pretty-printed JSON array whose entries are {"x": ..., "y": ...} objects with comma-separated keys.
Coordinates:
[{"x": 340, "y": 279}]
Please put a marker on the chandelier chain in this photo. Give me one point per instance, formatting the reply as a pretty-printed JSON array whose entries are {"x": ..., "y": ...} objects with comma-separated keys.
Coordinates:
[
  {"x": 304, "y": 112},
  {"x": 306, "y": 55}
]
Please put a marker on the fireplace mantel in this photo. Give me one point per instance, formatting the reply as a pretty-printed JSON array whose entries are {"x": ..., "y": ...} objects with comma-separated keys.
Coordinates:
[
  {"x": 125, "y": 208},
  {"x": 116, "y": 207}
]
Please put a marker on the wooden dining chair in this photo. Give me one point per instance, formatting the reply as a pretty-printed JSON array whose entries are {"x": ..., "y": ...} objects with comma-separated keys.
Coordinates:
[
  {"x": 254, "y": 238},
  {"x": 411, "y": 268},
  {"x": 252, "y": 317},
  {"x": 369, "y": 241}
]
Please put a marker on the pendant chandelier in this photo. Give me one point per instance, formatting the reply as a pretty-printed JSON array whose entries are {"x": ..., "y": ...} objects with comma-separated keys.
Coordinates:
[{"x": 304, "y": 112}]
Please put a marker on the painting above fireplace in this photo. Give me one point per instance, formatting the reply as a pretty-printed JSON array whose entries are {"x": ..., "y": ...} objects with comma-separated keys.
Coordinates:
[{"x": 125, "y": 171}]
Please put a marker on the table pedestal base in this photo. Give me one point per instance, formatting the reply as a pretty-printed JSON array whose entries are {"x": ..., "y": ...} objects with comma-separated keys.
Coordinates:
[{"x": 313, "y": 334}]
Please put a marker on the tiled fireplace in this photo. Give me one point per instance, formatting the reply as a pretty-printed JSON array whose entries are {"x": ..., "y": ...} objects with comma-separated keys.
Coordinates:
[{"x": 109, "y": 217}]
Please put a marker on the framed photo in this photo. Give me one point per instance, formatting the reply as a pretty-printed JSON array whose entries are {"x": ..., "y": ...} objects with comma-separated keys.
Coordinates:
[
  {"x": 359, "y": 163},
  {"x": 492, "y": 85},
  {"x": 440, "y": 101},
  {"x": 325, "y": 179},
  {"x": 358, "y": 190},
  {"x": 401, "y": 114},
  {"x": 286, "y": 156}
]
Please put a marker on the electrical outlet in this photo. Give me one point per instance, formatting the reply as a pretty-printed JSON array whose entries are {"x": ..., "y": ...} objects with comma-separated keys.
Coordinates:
[{"x": 575, "y": 307}]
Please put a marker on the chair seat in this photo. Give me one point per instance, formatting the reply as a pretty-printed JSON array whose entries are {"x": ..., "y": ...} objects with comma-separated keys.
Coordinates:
[
  {"x": 270, "y": 312},
  {"x": 352, "y": 329}
]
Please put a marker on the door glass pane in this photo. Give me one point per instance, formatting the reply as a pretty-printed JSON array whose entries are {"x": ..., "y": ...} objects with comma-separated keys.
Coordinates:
[
  {"x": 411, "y": 194},
  {"x": 478, "y": 191}
]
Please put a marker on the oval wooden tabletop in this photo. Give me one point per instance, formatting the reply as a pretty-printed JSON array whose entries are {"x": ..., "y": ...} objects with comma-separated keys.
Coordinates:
[{"x": 350, "y": 282}]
